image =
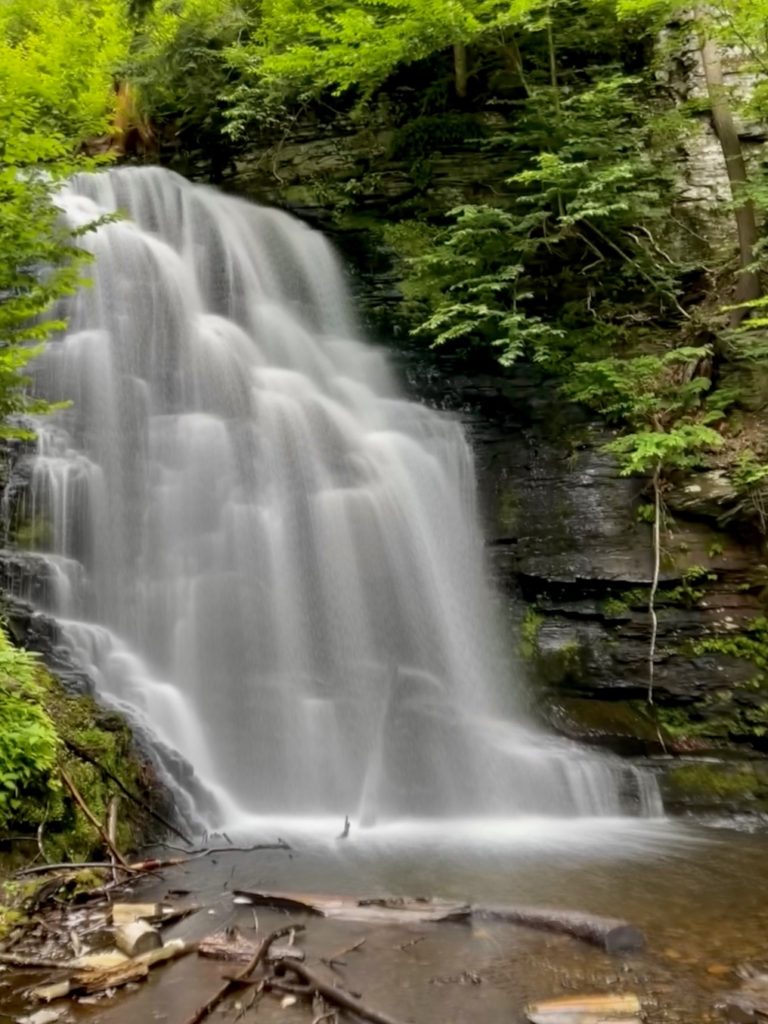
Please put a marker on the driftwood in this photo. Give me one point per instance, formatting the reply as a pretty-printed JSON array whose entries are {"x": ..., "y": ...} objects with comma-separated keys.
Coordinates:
[
  {"x": 242, "y": 976},
  {"x": 337, "y": 959},
  {"x": 89, "y": 981},
  {"x": 612, "y": 934},
  {"x": 32, "y": 963},
  {"x": 124, "y": 913},
  {"x": 395, "y": 910},
  {"x": 111, "y": 825},
  {"x": 172, "y": 862},
  {"x": 137, "y": 937},
  {"x": 149, "y": 865},
  {"x": 311, "y": 984},
  {"x": 233, "y": 946},
  {"x": 82, "y": 865},
  {"x": 205, "y": 851}
]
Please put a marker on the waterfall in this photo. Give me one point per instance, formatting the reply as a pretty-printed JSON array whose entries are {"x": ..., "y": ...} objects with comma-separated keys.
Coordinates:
[{"x": 258, "y": 549}]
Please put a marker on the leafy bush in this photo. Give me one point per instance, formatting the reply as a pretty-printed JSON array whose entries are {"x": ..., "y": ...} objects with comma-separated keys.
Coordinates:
[{"x": 28, "y": 740}]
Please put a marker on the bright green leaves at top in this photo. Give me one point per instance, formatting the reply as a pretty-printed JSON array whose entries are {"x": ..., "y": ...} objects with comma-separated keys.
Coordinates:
[
  {"x": 57, "y": 59},
  {"x": 338, "y": 46}
]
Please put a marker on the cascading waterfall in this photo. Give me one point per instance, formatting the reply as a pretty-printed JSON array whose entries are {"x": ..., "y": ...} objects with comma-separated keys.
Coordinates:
[{"x": 259, "y": 550}]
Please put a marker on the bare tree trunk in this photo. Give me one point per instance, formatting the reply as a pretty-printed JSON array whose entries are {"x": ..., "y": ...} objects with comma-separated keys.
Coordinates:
[
  {"x": 553, "y": 66},
  {"x": 460, "y": 69},
  {"x": 748, "y": 283}
]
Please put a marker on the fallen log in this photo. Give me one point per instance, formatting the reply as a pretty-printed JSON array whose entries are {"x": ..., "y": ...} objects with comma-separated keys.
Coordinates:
[
  {"x": 137, "y": 937},
  {"x": 230, "y": 983},
  {"x": 233, "y": 946},
  {"x": 612, "y": 934},
  {"x": 32, "y": 963},
  {"x": 375, "y": 910},
  {"x": 311, "y": 984},
  {"x": 125, "y": 913},
  {"x": 89, "y": 981}
]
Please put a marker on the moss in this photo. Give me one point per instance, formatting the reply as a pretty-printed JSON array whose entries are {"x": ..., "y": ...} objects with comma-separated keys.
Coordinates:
[
  {"x": 620, "y": 605},
  {"x": 529, "y": 634},
  {"x": 17, "y": 897},
  {"x": 419, "y": 138},
  {"x": 749, "y": 644},
  {"x": 33, "y": 535},
  {"x": 509, "y": 507},
  {"x": 84, "y": 731},
  {"x": 740, "y": 785},
  {"x": 560, "y": 666},
  {"x": 616, "y": 723},
  {"x": 716, "y": 720}
]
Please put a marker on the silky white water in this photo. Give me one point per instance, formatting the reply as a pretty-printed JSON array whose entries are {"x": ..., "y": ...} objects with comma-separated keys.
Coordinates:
[{"x": 260, "y": 551}]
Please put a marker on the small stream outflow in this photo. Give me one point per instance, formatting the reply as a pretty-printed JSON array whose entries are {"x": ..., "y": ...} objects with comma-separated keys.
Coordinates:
[{"x": 258, "y": 549}]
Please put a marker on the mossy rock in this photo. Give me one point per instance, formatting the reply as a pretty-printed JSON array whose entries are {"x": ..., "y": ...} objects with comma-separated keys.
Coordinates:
[
  {"x": 624, "y": 726},
  {"x": 94, "y": 746},
  {"x": 733, "y": 786},
  {"x": 558, "y": 665}
]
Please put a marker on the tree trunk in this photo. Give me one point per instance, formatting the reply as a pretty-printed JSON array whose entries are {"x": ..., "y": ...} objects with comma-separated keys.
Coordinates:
[
  {"x": 460, "y": 69},
  {"x": 748, "y": 284}
]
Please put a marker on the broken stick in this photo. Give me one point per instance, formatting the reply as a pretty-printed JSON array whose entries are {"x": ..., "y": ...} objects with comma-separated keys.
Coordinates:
[
  {"x": 113, "y": 850},
  {"x": 261, "y": 953},
  {"x": 311, "y": 984}
]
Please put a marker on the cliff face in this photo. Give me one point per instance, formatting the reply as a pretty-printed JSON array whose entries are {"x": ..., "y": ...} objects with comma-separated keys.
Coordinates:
[{"x": 568, "y": 538}]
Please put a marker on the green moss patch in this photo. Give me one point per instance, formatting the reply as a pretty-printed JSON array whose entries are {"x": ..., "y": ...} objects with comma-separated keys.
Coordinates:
[
  {"x": 705, "y": 785},
  {"x": 623, "y": 725},
  {"x": 42, "y": 729}
]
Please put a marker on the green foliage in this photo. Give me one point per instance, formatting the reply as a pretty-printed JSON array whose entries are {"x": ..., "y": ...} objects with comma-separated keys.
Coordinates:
[
  {"x": 422, "y": 136},
  {"x": 28, "y": 741},
  {"x": 56, "y": 60},
  {"x": 749, "y": 476},
  {"x": 529, "y": 633},
  {"x": 41, "y": 727},
  {"x": 183, "y": 64},
  {"x": 690, "y": 591},
  {"x": 312, "y": 46},
  {"x": 749, "y": 644},
  {"x": 568, "y": 259},
  {"x": 662, "y": 402}
]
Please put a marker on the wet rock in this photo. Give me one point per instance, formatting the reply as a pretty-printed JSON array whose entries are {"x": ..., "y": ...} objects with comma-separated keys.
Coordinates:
[
  {"x": 625, "y": 726},
  {"x": 715, "y": 785}
]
